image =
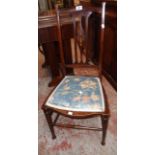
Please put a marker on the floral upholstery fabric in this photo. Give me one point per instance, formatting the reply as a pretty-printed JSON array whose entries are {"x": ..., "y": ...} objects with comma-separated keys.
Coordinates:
[{"x": 78, "y": 93}]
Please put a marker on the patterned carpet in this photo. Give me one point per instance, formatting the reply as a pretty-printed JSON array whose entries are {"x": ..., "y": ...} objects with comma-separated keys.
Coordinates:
[{"x": 72, "y": 141}]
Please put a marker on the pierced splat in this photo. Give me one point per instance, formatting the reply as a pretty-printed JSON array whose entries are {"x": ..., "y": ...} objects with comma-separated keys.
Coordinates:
[
  {"x": 80, "y": 29},
  {"x": 79, "y": 19}
]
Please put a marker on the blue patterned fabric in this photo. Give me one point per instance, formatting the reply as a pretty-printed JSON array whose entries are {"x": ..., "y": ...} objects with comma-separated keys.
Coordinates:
[{"x": 78, "y": 93}]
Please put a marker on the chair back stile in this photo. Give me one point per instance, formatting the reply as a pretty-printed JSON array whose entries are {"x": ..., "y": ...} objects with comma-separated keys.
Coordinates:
[
  {"x": 102, "y": 39},
  {"x": 60, "y": 40}
]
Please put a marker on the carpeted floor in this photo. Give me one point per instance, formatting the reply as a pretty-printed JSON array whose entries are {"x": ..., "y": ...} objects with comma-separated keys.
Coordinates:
[{"x": 72, "y": 141}]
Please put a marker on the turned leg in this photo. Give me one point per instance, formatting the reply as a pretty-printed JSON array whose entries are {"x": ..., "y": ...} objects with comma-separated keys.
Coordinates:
[
  {"x": 48, "y": 115},
  {"x": 104, "y": 120}
]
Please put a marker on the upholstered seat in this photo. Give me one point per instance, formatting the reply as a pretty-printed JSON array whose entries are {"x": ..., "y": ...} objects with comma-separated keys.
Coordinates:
[{"x": 78, "y": 93}]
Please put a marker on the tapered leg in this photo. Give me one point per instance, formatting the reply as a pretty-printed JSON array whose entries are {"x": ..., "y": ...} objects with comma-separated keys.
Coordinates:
[
  {"x": 104, "y": 121},
  {"x": 48, "y": 115}
]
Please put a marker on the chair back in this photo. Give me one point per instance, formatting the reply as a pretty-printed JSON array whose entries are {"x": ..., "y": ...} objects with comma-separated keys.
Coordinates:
[{"x": 80, "y": 45}]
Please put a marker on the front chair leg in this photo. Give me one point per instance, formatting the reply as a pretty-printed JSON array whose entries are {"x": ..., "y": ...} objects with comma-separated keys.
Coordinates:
[
  {"x": 104, "y": 121},
  {"x": 48, "y": 115}
]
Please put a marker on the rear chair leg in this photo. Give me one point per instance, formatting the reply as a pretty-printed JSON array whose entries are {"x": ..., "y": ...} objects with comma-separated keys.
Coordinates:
[
  {"x": 48, "y": 115},
  {"x": 104, "y": 121}
]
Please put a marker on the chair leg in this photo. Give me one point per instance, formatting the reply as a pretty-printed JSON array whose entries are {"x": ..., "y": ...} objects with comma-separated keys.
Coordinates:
[
  {"x": 104, "y": 121},
  {"x": 48, "y": 115}
]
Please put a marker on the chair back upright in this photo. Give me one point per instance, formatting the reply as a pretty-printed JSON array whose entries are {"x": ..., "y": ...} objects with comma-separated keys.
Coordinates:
[{"x": 103, "y": 15}]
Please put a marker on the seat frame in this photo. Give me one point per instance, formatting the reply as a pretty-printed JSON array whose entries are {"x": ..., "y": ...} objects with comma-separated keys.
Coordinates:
[{"x": 49, "y": 111}]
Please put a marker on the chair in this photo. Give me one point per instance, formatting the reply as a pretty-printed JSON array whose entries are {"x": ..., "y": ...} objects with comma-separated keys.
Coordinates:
[{"x": 78, "y": 96}]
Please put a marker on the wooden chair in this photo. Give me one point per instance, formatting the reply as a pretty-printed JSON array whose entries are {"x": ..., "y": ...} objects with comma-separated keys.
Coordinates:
[{"x": 78, "y": 96}]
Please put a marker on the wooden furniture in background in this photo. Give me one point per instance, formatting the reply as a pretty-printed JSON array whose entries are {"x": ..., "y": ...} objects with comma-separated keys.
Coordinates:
[{"x": 87, "y": 88}]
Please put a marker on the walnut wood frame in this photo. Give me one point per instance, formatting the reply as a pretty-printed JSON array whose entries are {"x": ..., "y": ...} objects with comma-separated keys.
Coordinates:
[{"x": 48, "y": 111}]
